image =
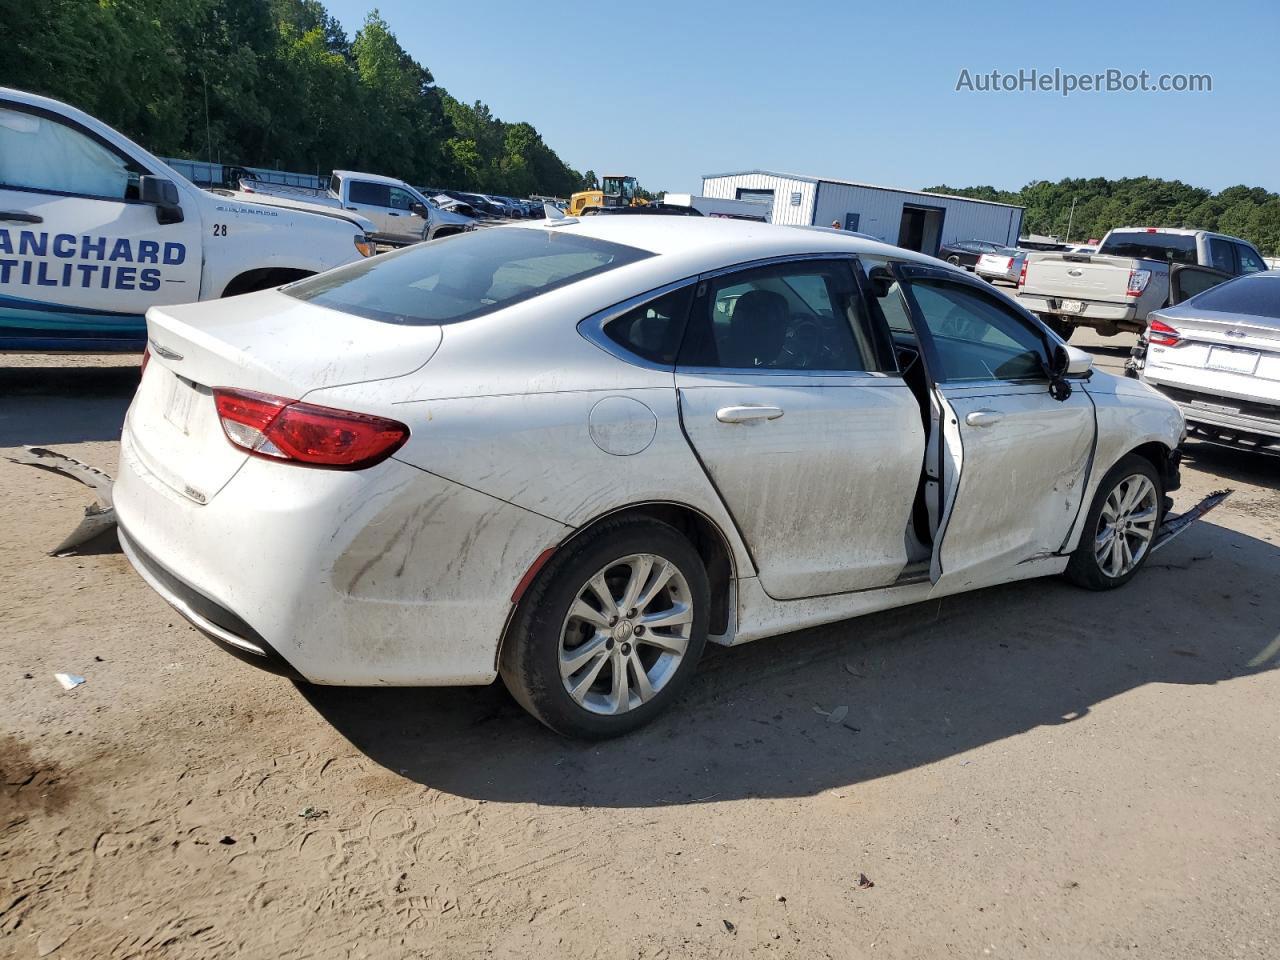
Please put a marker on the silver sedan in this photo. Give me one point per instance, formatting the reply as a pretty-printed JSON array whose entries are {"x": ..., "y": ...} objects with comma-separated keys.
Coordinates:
[{"x": 571, "y": 453}]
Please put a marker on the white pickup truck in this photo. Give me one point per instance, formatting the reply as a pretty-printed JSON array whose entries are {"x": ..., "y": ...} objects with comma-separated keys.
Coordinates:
[
  {"x": 400, "y": 213},
  {"x": 94, "y": 230},
  {"x": 1136, "y": 270}
]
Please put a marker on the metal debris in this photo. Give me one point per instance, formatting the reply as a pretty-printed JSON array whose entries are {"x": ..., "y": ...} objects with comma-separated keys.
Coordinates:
[
  {"x": 69, "y": 681},
  {"x": 1175, "y": 524},
  {"x": 98, "y": 517}
]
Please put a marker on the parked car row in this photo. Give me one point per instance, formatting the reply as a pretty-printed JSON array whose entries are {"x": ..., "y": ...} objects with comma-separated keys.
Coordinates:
[
  {"x": 485, "y": 205},
  {"x": 400, "y": 213}
]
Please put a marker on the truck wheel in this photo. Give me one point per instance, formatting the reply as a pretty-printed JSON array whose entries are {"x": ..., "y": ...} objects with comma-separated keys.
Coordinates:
[{"x": 1060, "y": 327}]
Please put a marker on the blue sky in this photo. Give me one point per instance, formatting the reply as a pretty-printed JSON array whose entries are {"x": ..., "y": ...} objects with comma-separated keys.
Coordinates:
[{"x": 670, "y": 91}]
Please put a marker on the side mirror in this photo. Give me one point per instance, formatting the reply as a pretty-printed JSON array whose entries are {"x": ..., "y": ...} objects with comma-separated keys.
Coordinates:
[
  {"x": 1066, "y": 361},
  {"x": 163, "y": 195},
  {"x": 418, "y": 210},
  {"x": 1077, "y": 362},
  {"x": 881, "y": 281}
]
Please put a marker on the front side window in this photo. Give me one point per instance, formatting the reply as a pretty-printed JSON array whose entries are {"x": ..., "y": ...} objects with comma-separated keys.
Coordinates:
[
  {"x": 975, "y": 337},
  {"x": 465, "y": 276},
  {"x": 1250, "y": 262},
  {"x": 401, "y": 199},
  {"x": 39, "y": 153},
  {"x": 653, "y": 330},
  {"x": 804, "y": 315},
  {"x": 370, "y": 194}
]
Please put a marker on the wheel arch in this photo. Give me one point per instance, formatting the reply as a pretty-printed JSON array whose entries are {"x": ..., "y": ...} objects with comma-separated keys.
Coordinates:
[
  {"x": 263, "y": 278},
  {"x": 704, "y": 533}
]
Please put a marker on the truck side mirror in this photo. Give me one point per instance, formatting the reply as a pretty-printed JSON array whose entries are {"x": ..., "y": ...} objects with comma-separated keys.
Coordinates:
[
  {"x": 163, "y": 195},
  {"x": 419, "y": 210}
]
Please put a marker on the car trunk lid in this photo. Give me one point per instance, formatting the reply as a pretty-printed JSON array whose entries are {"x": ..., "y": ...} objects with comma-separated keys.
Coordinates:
[{"x": 267, "y": 342}]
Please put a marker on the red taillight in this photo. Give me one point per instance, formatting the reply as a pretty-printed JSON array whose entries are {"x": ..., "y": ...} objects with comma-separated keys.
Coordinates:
[
  {"x": 1163, "y": 335},
  {"x": 146, "y": 358},
  {"x": 1009, "y": 263},
  {"x": 280, "y": 429},
  {"x": 1138, "y": 280},
  {"x": 1022, "y": 275}
]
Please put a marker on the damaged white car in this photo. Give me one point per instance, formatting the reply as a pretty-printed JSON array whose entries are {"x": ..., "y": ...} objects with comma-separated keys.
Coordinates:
[{"x": 571, "y": 453}]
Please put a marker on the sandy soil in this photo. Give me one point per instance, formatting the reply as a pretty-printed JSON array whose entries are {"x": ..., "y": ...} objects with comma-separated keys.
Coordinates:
[{"x": 1028, "y": 771}]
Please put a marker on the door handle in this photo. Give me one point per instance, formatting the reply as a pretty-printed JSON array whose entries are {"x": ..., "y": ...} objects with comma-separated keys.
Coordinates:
[
  {"x": 17, "y": 216},
  {"x": 745, "y": 413},
  {"x": 983, "y": 418},
  {"x": 393, "y": 213}
]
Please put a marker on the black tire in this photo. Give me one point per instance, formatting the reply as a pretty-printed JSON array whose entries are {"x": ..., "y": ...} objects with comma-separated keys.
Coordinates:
[
  {"x": 1060, "y": 327},
  {"x": 530, "y": 659},
  {"x": 1084, "y": 569}
]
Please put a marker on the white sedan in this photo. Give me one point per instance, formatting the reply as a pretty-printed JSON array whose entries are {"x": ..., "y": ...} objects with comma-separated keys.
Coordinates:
[{"x": 571, "y": 453}]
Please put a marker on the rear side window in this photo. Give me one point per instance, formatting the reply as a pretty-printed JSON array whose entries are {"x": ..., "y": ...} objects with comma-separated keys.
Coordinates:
[
  {"x": 1221, "y": 256},
  {"x": 1250, "y": 262},
  {"x": 804, "y": 315},
  {"x": 1250, "y": 295},
  {"x": 654, "y": 329},
  {"x": 465, "y": 276},
  {"x": 1170, "y": 247},
  {"x": 374, "y": 194}
]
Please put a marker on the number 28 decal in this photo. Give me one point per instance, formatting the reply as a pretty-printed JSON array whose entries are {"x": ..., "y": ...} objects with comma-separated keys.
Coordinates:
[{"x": 219, "y": 229}]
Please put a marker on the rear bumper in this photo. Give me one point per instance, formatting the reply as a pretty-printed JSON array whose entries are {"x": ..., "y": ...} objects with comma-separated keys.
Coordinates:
[
  {"x": 216, "y": 622},
  {"x": 1248, "y": 425},
  {"x": 385, "y": 576},
  {"x": 1097, "y": 311}
]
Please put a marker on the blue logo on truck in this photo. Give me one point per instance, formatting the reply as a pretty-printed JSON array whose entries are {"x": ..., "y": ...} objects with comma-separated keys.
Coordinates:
[
  {"x": 34, "y": 264},
  {"x": 101, "y": 263}
]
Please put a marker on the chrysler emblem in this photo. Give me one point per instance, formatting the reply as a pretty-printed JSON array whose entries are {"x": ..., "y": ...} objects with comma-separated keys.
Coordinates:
[{"x": 164, "y": 351}]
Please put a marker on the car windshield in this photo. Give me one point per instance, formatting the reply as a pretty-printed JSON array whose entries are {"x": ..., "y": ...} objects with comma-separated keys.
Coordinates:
[
  {"x": 1172, "y": 247},
  {"x": 1255, "y": 296},
  {"x": 457, "y": 278}
]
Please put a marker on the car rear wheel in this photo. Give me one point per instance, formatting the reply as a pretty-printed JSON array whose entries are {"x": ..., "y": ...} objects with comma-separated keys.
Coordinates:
[
  {"x": 1120, "y": 528},
  {"x": 611, "y": 630}
]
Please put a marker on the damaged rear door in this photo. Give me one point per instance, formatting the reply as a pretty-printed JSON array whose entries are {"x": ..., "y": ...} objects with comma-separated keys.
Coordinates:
[
  {"x": 1015, "y": 459},
  {"x": 797, "y": 414}
]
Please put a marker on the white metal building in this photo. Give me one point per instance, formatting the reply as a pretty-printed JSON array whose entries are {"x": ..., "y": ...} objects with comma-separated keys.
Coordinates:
[{"x": 907, "y": 218}]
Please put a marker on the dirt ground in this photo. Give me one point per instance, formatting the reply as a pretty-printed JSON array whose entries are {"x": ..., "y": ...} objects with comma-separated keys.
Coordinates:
[{"x": 1031, "y": 770}]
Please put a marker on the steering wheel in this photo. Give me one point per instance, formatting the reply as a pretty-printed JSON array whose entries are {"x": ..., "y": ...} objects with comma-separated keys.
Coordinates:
[{"x": 962, "y": 325}]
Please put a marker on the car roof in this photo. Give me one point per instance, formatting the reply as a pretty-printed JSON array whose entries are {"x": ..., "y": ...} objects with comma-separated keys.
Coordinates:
[
  {"x": 371, "y": 177},
  {"x": 707, "y": 243}
]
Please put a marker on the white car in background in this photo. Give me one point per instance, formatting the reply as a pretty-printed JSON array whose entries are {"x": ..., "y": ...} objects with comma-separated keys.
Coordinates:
[
  {"x": 1004, "y": 264},
  {"x": 1217, "y": 355},
  {"x": 571, "y": 452}
]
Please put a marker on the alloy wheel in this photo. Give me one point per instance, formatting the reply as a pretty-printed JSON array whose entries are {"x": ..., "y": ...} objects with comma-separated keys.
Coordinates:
[
  {"x": 626, "y": 634},
  {"x": 1126, "y": 526}
]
